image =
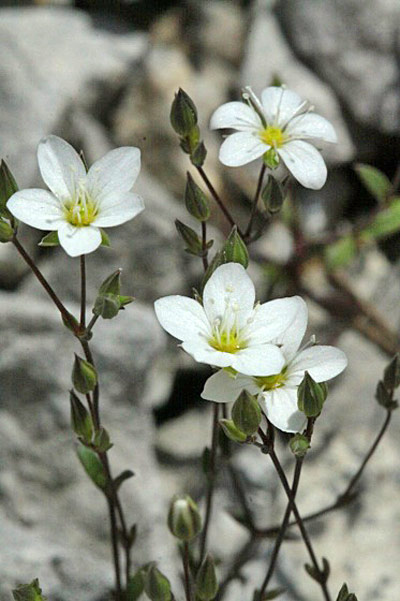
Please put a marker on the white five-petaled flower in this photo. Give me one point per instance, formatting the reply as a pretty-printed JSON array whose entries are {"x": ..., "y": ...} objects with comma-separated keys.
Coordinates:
[
  {"x": 80, "y": 203},
  {"x": 281, "y": 122},
  {"x": 277, "y": 394},
  {"x": 229, "y": 330}
]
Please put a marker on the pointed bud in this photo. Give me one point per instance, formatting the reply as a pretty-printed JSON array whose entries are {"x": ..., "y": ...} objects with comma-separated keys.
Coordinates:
[
  {"x": 246, "y": 413},
  {"x": 299, "y": 445},
  {"x": 81, "y": 420},
  {"x": 6, "y": 231},
  {"x": 311, "y": 396},
  {"x": 29, "y": 592},
  {"x": 112, "y": 284},
  {"x": 183, "y": 113},
  {"x": 157, "y": 585},
  {"x": 84, "y": 376},
  {"x": 272, "y": 195},
  {"x": 92, "y": 466},
  {"x": 8, "y": 187},
  {"x": 107, "y": 306},
  {"x": 206, "y": 580},
  {"x": 343, "y": 593},
  {"x": 231, "y": 431},
  {"x": 192, "y": 240},
  {"x": 184, "y": 519},
  {"x": 198, "y": 155},
  {"x": 391, "y": 375},
  {"x": 235, "y": 250},
  {"x": 196, "y": 201}
]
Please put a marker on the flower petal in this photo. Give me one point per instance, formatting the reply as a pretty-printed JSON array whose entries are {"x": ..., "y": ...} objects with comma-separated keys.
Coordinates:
[
  {"x": 229, "y": 294},
  {"x": 236, "y": 115},
  {"x": 202, "y": 352},
  {"x": 119, "y": 208},
  {"x": 262, "y": 360},
  {"x": 305, "y": 163},
  {"x": 183, "y": 318},
  {"x": 114, "y": 173},
  {"x": 280, "y": 406},
  {"x": 311, "y": 125},
  {"x": 279, "y": 104},
  {"x": 291, "y": 338},
  {"x": 225, "y": 388},
  {"x": 241, "y": 148},
  {"x": 60, "y": 166},
  {"x": 78, "y": 241},
  {"x": 322, "y": 363},
  {"x": 38, "y": 208},
  {"x": 271, "y": 319}
]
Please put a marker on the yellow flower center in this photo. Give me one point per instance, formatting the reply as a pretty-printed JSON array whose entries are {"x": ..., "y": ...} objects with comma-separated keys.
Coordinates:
[
  {"x": 81, "y": 211},
  {"x": 273, "y": 136},
  {"x": 271, "y": 382},
  {"x": 227, "y": 342}
]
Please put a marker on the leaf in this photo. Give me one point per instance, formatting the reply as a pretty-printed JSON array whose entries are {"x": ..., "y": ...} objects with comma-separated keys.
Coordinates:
[
  {"x": 125, "y": 475},
  {"x": 340, "y": 253},
  {"x": 135, "y": 586},
  {"x": 273, "y": 593},
  {"x": 376, "y": 182},
  {"x": 50, "y": 239},
  {"x": 92, "y": 465},
  {"x": 385, "y": 223}
]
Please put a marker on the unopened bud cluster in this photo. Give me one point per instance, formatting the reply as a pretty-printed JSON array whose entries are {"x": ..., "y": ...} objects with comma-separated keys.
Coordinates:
[{"x": 183, "y": 118}]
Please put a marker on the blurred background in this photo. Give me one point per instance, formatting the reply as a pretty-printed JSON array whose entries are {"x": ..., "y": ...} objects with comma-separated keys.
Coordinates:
[{"x": 103, "y": 74}]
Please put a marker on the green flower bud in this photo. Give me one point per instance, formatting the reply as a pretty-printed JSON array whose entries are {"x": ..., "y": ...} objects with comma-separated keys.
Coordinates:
[
  {"x": 107, "y": 306},
  {"x": 198, "y": 155},
  {"x": 8, "y": 187},
  {"x": 299, "y": 445},
  {"x": 196, "y": 201},
  {"x": 194, "y": 244},
  {"x": 232, "y": 431},
  {"x": 6, "y": 231},
  {"x": 235, "y": 250},
  {"x": 271, "y": 158},
  {"x": 246, "y": 413},
  {"x": 157, "y": 585},
  {"x": 29, "y": 592},
  {"x": 183, "y": 114},
  {"x": 84, "y": 376},
  {"x": 206, "y": 580},
  {"x": 184, "y": 520},
  {"x": 92, "y": 466},
  {"x": 112, "y": 284},
  {"x": 81, "y": 420},
  {"x": 311, "y": 396},
  {"x": 272, "y": 195}
]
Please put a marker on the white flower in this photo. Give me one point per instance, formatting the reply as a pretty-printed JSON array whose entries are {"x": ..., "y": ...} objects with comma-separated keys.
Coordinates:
[
  {"x": 277, "y": 394},
  {"x": 281, "y": 124},
  {"x": 80, "y": 203},
  {"x": 228, "y": 330}
]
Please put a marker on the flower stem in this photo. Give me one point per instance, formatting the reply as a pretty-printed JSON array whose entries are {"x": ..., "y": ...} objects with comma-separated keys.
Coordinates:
[
  {"x": 186, "y": 569},
  {"x": 211, "y": 482},
  {"x": 83, "y": 292},
  {"x": 216, "y": 196},
  {"x": 247, "y": 233},
  {"x": 204, "y": 244}
]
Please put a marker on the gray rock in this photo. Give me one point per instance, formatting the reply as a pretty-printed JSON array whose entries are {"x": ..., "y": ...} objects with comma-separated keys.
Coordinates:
[{"x": 354, "y": 47}]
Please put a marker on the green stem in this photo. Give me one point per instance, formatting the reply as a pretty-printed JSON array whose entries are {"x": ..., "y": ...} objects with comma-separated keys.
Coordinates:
[
  {"x": 216, "y": 197},
  {"x": 186, "y": 570},
  {"x": 247, "y": 233},
  {"x": 204, "y": 244},
  {"x": 211, "y": 482},
  {"x": 83, "y": 292}
]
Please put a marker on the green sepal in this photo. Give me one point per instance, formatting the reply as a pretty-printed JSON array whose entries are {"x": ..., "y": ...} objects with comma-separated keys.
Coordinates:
[
  {"x": 92, "y": 466},
  {"x": 231, "y": 431},
  {"x": 206, "y": 580},
  {"x": 156, "y": 585},
  {"x": 84, "y": 375},
  {"x": 102, "y": 441},
  {"x": 195, "y": 200},
  {"x": 135, "y": 585},
  {"x": 125, "y": 300},
  {"x": 112, "y": 284},
  {"x": 198, "y": 154},
  {"x": 184, "y": 520},
  {"x": 299, "y": 445},
  {"x": 311, "y": 396},
  {"x": 107, "y": 306},
  {"x": 271, "y": 158},
  {"x": 235, "y": 250},
  {"x": 376, "y": 182},
  {"x": 81, "y": 420},
  {"x": 29, "y": 592},
  {"x": 105, "y": 240},
  {"x": 6, "y": 232},
  {"x": 246, "y": 413},
  {"x": 50, "y": 239}
]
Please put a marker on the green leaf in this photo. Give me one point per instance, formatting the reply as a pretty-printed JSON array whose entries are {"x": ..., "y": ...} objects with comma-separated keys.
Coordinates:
[
  {"x": 50, "y": 239},
  {"x": 135, "y": 586},
  {"x": 92, "y": 465},
  {"x": 376, "y": 182},
  {"x": 385, "y": 223},
  {"x": 340, "y": 253},
  {"x": 29, "y": 592},
  {"x": 125, "y": 475}
]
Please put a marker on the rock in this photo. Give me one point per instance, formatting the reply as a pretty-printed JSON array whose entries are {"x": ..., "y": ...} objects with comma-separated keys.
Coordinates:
[
  {"x": 37, "y": 450},
  {"x": 352, "y": 46},
  {"x": 268, "y": 54}
]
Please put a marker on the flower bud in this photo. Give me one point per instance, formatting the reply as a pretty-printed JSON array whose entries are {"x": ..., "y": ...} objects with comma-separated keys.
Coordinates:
[
  {"x": 107, "y": 306},
  {"x": 195, "y": 200},
  {"x": 112, "y": 284},
  {"x": 84, "y": 376},
  {"x": 194, "y": 245},
  {"x": 184, "y": 519},
  {"x": 198, "y": 155},
  {"x": 246, "y": 413},
  {"x": 235, "y": 250},
  {"x": 272, "y": 195},
  {"x": 183, "y": 114},
  {"x": 102, "y": 441},
  {"x": 311, "y": 396},
  {"x": 232, "y": 431},
  {"x": 385, "y": 397},
  {"x": 6, "y": 231},
  {"x": 156, "y": 585},
  {"x": 92, "y": 466},
  {"x": 81, "y": 420},
  {"x": 8, "y": 187},
  {"x": 206, "y": 580},
  {"x": 299, "y": 445},
  {"x": 29, "y": 592}
]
